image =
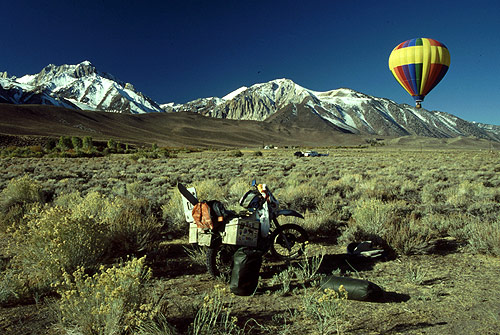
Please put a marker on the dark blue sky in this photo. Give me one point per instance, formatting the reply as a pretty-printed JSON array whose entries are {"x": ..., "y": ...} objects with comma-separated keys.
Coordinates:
[{"x": 176, "y": 51}]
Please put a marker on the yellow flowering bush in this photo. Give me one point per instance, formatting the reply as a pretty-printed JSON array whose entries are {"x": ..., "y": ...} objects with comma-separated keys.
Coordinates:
[
  {"x": 111, "y": 301},
  {"x": 51, "y": 241},
  {"x": 77, "y": 231},
  {"x": 326, "y": 309}
]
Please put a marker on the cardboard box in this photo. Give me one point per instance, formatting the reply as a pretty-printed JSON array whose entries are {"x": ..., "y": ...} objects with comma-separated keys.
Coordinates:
[
  {"x": 193, "y": 233},
  {"x": 242, "y": 231},
  {"x": 204, "y": 238}
]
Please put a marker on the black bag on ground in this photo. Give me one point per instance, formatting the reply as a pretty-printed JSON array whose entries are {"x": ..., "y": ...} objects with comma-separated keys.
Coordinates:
[
  {"x": 246, "y": 267},
  {"x": 357, "y": 289}
]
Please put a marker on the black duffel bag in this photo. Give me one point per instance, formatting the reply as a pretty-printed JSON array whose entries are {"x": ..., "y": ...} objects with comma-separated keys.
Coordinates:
[
  {"x": 357, "y": 289},
  {"x": 246, "y": 267}
]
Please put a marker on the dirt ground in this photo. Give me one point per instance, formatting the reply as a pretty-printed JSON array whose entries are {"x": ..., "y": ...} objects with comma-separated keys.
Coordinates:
[{"x": 448, "y": 292}]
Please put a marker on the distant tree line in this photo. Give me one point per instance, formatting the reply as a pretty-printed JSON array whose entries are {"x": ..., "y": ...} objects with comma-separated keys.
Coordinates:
[{"x": 74, "y": 146}]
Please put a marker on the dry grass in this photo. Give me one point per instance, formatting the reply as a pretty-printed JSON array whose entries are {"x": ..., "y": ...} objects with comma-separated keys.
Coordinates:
[{"x": 405, "y": 201}]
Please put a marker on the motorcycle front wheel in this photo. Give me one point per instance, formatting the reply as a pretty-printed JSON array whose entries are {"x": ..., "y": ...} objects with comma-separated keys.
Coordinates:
[{"x": 288, "y": 241}]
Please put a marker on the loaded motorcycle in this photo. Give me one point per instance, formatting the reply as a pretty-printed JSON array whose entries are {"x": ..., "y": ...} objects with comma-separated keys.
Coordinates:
[{"x": 257, "y": 226}]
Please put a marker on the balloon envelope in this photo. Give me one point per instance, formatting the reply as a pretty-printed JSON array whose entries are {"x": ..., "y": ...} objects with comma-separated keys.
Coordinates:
[{"x": 418, "y": 65}]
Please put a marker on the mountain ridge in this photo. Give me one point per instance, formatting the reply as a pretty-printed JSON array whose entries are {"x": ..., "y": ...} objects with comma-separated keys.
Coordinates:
[
  {"x": 83, "y": 87},
  {"x": 347, "y": 109}
]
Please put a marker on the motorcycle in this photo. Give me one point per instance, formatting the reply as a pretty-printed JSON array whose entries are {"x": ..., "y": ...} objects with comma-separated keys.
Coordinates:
[{"x": 283, "y": 241}]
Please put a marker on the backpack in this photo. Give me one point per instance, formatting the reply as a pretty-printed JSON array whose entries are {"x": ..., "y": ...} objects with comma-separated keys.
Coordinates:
[
  {"x": 209, "y": 214},
  {"x": 201, "y": 215},
  {"x": 251, "y": 200}
]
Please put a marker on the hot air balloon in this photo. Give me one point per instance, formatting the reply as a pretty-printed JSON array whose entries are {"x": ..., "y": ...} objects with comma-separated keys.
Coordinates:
[{"x": 418, "y": 65}]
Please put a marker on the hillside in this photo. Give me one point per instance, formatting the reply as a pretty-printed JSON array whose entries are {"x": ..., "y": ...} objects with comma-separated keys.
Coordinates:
[{"x": 165, "y": 129}]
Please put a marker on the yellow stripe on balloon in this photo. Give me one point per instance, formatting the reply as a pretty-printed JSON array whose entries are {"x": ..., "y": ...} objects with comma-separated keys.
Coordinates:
[
  {"x": 426, "y": 62},
  {"x": 412, "y": 55}
]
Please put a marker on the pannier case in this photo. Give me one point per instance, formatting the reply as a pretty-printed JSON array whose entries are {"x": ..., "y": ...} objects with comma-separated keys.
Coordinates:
[{"x": 242, "y": 231}]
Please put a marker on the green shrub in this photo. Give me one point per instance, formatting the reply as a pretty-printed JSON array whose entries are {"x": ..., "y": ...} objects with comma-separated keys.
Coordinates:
[
  {"x": 65, "y": 143},
  {"x": 131, "y": 224},
  {"x": 210, "y": 189},
  {"x": 345, "y": 185},
  {"x": 301, "y": 197},
  {"x": 409, "y": 236},
  {"x": 19, "y": 195},
  {"x": 236, "y": 153},
  {"x": 135, "y": 230},
  {"x": 50, "y": 144},
  {"x": 483, "y": 236},
  {"x": 79, "y": 231},
  {"x": 434, "y": 193},
  {"x": 173, "y": 214},
  {"x": 87, "y": 144},
  {"x": 11, "y": 286},
  {"x": 378, "y": 188},
  {"x": 387, "y": 224},
  {"x": 111, "y": 145},
  {"x": 327, "y": 217},
  {"x": 158, "y": 326},
  {"x": 370, "y": 217},
  {"x": 110, "y": 302},
  {"x": 237, "y": 188},
  {"x": 76, "y": 142},
  {"x": 326, "y": 309},
  {"x": 20, "y": 191}
]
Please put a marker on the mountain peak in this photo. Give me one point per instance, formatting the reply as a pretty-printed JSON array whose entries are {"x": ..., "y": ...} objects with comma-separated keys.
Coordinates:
[
  {"x": 83, "y": 69},
  {"x": 79, "y": 86},
  {"x": 85, "y": 63}
]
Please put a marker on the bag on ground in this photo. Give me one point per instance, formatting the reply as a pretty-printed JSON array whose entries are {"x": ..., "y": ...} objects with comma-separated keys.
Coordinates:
[
  {"x": 246, "y": 267},
  {"x": 357, "y": 289}
]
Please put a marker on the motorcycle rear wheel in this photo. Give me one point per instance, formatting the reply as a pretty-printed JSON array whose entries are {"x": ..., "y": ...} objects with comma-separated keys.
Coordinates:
[{"x": 220, "y": 260}]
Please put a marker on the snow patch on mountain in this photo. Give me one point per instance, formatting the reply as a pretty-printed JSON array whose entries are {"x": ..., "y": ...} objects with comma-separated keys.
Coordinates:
[{"x": 235, "y": 93}]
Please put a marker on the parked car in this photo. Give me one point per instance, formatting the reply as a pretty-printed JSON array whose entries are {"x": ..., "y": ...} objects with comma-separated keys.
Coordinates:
[
  {"x": 311, "y": 154},
  {"x": 308, "y": 154}
]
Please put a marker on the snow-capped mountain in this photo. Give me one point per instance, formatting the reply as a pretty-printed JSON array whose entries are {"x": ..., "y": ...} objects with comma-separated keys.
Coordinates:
[
  {"x": 279, "y": 101},
  {"x": 283, "y": 101},
  {"x": 78, "y": 86},
  {"x": 488, "y": 127}
]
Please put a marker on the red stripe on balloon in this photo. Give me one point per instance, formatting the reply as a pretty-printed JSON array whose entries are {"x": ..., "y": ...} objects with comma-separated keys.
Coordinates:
[
  {"x": 404, "y": 80},
  {"x": 436, "y": 73}
]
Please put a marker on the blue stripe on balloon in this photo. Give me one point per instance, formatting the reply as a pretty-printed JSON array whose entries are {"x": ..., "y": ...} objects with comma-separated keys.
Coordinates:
[{"x": 412, "y": 78}]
